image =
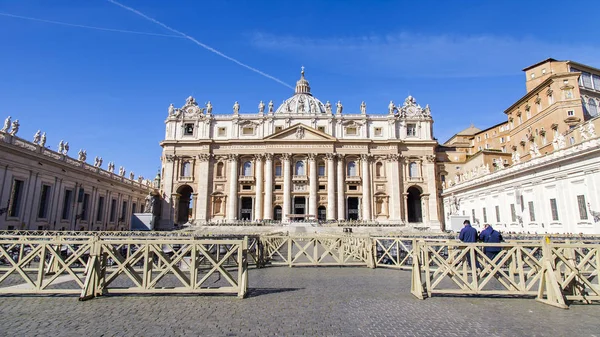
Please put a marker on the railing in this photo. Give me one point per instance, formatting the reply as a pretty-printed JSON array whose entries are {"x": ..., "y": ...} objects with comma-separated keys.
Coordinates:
[{"x": 95, "y": 265}]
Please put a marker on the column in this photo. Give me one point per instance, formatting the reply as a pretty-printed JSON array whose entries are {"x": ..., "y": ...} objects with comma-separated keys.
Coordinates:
[
  {"x": 429, "y": 176},
  {"x": 341, "y": 188},
  {"x": 232, "y": 201},
  {"x": 287, "y": 186},
  {"x": 313, "y": 185},
  {"x": 405, "y": 207},
  {"x": 394, "y": 184},
  {"x": 366, "y": 186},
  {"x": 258, "y": 202},
  {"x": 204, "y": 179},
  {"x": 268, "y": 201},
  {"x": 330, "y": 186}
]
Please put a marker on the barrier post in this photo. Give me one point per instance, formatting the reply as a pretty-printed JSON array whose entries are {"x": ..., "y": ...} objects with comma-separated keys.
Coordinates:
[
  {"x": 416, "y": 286},
  {"x": 548, "y": 282}
]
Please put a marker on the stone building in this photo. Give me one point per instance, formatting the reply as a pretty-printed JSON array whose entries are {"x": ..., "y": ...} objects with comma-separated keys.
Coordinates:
[
  {"x": 301, "y": 160},
  {"x": 49, "y": 190},
  {"x": 538, "y": 170}
]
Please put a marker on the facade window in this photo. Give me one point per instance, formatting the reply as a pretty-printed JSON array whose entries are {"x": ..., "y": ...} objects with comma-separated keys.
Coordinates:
[
  {"x": 413, "y": 170},
  {"x": 513, "y": 213},
  {"x": 100, "y": 212},
  {"x": 321, "y": 128},
  {"x": 378, "y": 132},
  {"x": 123, "y": 211},
  {"x": 247, "y": 169},
  {"x": 411, "y": 130},
  {"x": 247, "y": 131},
  {"x": 85, "y": 207},
  {"x": 554, "y": 209},
  {"x": 484, "y": 215},
  {"x": 581, "y": 204},
  {"x": 572, "y": 140},
  {"x": 351, "y": 131},
  {"x": 497, "y": 213},
  {"x": 596, "y": 81},
  {"x": 379, "y": 170},
  {"x": 220, "y": 169},
  {"x": 570, "y": 113},
  {"x": 14, "y": 208},
  {"x": 278, "y": 128},
  {"x": 186, "y": 169},
  {"x": 532, "y": 75},
  {"x": 586, "y": 79},
  {"x": 321, "y": 169},
  {"x": 299, "y": 169},
  {"x": 520, "y": 119},
  {"x": 278, "y": 169},
  {"x": 504, "y": 148},
  {"x": 188, "y": 129},
  {"x": 351, "y": 171},
  {"x": 473, "y": 216},
  {"x": 113, "y": 210},
  {"x": 222, "y": 132},
  {"x": 133, "y": 208},
  {"x": 531, "y": 211},
  {"x": 67, "y": 200},
  {"x": 486, "y": 136},
  {"x": 592, "y": 107},
  {"x": 44, "y": 201},
  {"x": 550, "y": 99},
  {"x": 277, "y": 187},
  {"x": 538, "y": 106}
]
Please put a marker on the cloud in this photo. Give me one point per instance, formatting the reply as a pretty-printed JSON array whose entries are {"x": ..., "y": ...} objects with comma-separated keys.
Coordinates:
[{"x": 418, "y": 55}]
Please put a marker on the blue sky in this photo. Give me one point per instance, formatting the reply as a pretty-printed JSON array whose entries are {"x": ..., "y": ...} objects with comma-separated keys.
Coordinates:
[{"x": 108, "y": 91}]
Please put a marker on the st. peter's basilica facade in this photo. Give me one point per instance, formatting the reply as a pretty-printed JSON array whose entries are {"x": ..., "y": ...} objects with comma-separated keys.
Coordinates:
[{"x": 304, "y": 160}]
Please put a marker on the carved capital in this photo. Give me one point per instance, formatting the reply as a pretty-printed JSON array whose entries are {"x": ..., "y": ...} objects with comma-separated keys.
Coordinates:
[
  {"x": 430, "y": 158},
  {"x": 365, "y": 157},
  {"x": 232, "y": 157},
  {"x": 268, "y": 156},
  {"x": 312, "y": 156},
  {"x": 340, "y": 156},
  {"x": 170, "y": 158},
  {"x": 393, "y": 157},
  {"x": 329, "y": 156},
  {"x": 286, "y": 156},
  {"x": 204, "y": 157},
  {"x": 259, "y": 157}
]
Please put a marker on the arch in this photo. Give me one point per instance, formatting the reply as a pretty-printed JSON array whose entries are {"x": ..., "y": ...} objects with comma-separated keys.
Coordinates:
[
  {"x": 413, "y": 170},
  {"x": 220, "y": 169},
  {"x": 413, "y": 204},
  {"x": 247, "y": 169},
  {"x": 186, "y": 169},
  {"x": 351, "y": 169},
  {"x": 299, "y": 168},
  {"x": 592, "y": 107},
  {"x": 379, "y": 169},
  {"x": 277, "y": 213},
  {"x": 184, "y": 204}
]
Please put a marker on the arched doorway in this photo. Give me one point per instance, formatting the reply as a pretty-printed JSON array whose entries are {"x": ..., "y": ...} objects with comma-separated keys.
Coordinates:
[
  {"x": 184, "y": 204},
  {"x": 415, "y": 213},
  {"x": 277, "y": 213}
]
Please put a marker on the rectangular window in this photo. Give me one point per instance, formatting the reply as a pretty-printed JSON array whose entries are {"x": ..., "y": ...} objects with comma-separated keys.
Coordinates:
[
  {"x": 188, "y": 129},
  {"x": 554, "y": 209},
  {"x": 277, "y": 187},
  {"x": 497, "y": 213},
  {"x": 100, "y": 209},
  {"x": 246, "y": 187},
  {"x": 278, "y": 170},
  {"x": 513, "y": 213},
  {"x": 353, "y": 188},
  {"x": 570, "y": 113},
  {"x": 113, "y": 210},
  {"x": 221, "y": 132},
  {"x": 14, "y": 208},
  {"x": 123, "y": 211},
  {"x": 582, "y": 210},
  {"x": 378, "y": 131},
  {"x": 321, "y": 187},
  {"x": 411, "y": 130},
  {"x": 66, "y": 211},
  {"x": 531, "y": 211},
  {"x": 522, "y": 203},
  {"x": 84, "y": 208},
  {"x": 596, "y": 80},
  {"x": 321, "y": 170},
  {"x": 351, "y": 131},
  {"x": 473, "y": 215},
  {"x": 484, "y": 215},
  {"x": 44, "y": 201},
  {"x": 248, "y": 131},
  {"x": 133, "y": 208},
  {"x": 586, "y": 79}
]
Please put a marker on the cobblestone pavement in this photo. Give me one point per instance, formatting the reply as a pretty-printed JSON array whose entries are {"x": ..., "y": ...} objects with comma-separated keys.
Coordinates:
[{"x": 297, "y": 301}]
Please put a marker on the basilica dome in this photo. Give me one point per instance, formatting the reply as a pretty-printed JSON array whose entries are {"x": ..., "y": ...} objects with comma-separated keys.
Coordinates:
[{"x": 303, "y": 101}]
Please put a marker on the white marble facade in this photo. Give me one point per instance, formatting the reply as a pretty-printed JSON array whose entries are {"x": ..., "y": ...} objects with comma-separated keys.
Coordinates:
[
  {"x": 42, "y": 189},
  {"x": 303, "y": 159},
  {"x": 555, "y": 193}
]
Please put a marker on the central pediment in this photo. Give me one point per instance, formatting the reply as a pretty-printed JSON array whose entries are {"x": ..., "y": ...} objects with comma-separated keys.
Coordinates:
[{"x": 300, "y": 132}]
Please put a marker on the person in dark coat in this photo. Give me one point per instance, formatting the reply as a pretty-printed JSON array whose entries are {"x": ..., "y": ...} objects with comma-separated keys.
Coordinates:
[
  {"x": 490, "y": 235},
  {"x": 468, "y": 233}
]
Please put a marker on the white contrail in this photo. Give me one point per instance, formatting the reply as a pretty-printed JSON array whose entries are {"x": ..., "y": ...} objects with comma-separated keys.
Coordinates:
[
  {"x": 88, "y": 27},
  {"x": 209, "y": 48}
]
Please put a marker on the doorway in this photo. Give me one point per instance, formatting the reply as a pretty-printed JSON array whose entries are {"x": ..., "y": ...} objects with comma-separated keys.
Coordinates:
[
  {"x": 299, "y": 205},
  {"x": 322, "y": 213},
  {"x": 277, "y": 213},
  {"x": 184, "y": 204},
  {"x": 246, "y": 210},
  {"x": 413, "y": 206},
  {"x": 353, "y": 208}
]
